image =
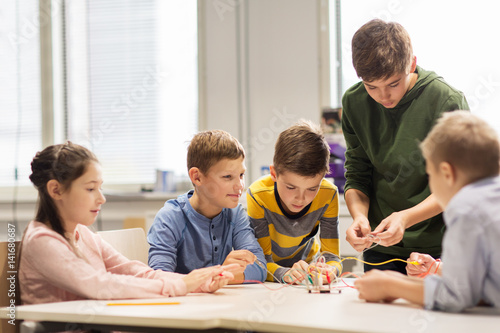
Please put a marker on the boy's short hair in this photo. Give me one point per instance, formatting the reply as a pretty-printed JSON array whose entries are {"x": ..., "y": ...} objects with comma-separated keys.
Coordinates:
[
  {"x": 466, "y": 142},
  {"x": 303, "y": 150},
  {"x": 209, "y": 147},
  {"x": 380, "y": 50}
]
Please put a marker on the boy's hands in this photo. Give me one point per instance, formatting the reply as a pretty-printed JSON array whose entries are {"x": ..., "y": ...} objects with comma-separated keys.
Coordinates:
[
  {"x": 207, "y": 279},
  {"x": 358, "y": 234},
  {"x": 297, "y": 273},
  {"x": 426, "y": 262},
  {"x": 374, "y": 285},
  {"x": 387, "y": 286},
  {"x": 300, "y": 269},
  {"x": 326, "y": 272},
  {"x": 238, "y": 260},
  {"x": 390, "y": 231}
]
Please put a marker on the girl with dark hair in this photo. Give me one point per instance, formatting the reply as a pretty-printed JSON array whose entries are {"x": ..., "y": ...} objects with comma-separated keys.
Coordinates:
[{"x": 62, "y": 259}]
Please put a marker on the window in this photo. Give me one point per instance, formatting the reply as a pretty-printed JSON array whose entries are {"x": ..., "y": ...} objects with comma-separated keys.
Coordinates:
[
  {"x": 452, "y": 38},
  {"x": 20, "y": 112},
  {"x": 125, "y": 84},
  {"x": 131, "y": 78}
]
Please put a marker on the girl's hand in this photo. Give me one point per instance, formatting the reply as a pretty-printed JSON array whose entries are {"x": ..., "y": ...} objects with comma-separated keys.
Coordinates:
[
  {"x": 218, "y": 282},
  {"x": 207, "y": 279}
]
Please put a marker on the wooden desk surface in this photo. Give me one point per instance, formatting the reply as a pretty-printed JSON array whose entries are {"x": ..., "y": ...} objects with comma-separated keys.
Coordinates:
[{"x": 256, "y": 308}]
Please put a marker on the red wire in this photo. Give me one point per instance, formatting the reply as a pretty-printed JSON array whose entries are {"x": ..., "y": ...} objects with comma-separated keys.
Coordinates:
[
  {"x": 347, "y": 285},
  {"x": 422, "y": 275},
  {"x": 437, "y": 266}
]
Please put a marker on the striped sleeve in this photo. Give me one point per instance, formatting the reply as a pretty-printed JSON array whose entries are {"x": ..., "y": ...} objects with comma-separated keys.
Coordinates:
[
  {"x": 260, "y": 226},
  {"x": 329, "y": 232}
]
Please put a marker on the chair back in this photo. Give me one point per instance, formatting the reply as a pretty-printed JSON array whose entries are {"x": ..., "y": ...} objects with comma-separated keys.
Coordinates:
[{"x": 132, "y": 243}]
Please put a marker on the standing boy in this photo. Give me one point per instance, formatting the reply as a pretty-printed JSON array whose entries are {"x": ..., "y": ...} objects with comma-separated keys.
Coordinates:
[
  {"x": 462, "y": 154},
  {"x": 207, "y": 226},
  {"x": 289, "y": 206},
  {"x": 383, "y": 117}
]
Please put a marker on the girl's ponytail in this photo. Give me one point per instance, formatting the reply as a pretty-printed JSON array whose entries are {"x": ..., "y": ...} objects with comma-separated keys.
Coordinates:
[{"x": 64, "y": 163}]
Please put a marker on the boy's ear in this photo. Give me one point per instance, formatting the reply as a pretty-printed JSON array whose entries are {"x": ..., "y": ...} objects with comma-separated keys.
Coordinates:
[
  {"x": 449, "y": 173},
  {"x": 413, "y": 64},
  {"x": 272, "y": 171},
  {"x": 195, "y": 176},
  {"x": 55, "y": 189}
]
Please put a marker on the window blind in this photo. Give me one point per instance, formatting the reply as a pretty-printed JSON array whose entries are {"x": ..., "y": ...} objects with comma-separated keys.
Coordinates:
[
  {"x": 132, "y": 97},
  {"x": 20, "y": 111}
]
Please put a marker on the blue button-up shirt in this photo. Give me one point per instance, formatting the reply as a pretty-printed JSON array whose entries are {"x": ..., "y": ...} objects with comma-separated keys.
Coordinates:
[
  {"x": 182, "y": 239},
  {"x": 471, "y": 246}
]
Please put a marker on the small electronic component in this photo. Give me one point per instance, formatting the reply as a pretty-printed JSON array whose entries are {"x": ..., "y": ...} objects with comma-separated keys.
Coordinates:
[
  {"x": 317, "y": 274},
  {"x": 315, "y": 284}
]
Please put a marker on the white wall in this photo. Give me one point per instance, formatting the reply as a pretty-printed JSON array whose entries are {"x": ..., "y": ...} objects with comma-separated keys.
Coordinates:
[
  {"x": 259, "y": 70},
  {"x": 263, "y": 66}
]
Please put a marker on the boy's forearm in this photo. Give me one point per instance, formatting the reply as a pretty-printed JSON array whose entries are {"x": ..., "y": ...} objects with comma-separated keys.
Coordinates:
[
  {"x": 407, "y": 288},
  {"x": 422, "y": 211},
  {"x": 357, "y": 203}
]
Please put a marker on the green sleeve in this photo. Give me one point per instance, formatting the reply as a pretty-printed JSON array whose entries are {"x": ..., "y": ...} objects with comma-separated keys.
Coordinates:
[
  {"x": 455, "y": 102},
  {"x": 357, "y": 164}
]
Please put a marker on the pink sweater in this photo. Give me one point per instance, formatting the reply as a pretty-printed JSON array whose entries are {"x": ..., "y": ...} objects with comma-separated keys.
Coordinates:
[{"x": 50, "y": 271}]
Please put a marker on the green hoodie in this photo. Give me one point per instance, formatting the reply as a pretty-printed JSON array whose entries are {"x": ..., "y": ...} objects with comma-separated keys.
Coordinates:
[{"x": 383, "y": 159}]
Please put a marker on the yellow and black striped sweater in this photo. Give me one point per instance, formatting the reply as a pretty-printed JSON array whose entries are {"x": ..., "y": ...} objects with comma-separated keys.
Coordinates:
[{"x": 286, "y": 239}]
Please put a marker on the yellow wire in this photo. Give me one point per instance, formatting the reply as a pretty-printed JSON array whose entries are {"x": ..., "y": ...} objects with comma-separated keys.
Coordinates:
[{"x": 382, "y": 263}]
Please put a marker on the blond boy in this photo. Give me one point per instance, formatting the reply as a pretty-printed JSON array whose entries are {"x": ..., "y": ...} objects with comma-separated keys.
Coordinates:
[
  {"x": 287, "y": 207},
  {"x": 207, "y": 226},
  {"x": 462, "y": 160}
]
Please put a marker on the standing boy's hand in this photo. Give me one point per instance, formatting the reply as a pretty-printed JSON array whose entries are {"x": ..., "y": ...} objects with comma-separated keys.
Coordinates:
[
  {"x": 390, "y": 231},
  {"x": 357, "y": 234},
  {"x": 426, "y": 262},
  {"x": 297, "y": 273}
]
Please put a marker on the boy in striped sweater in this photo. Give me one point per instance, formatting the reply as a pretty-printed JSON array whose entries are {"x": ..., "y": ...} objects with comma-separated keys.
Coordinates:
[{"x": 289, "y": 207}]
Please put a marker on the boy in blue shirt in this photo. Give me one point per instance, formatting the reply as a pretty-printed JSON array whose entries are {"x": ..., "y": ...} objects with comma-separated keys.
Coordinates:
[
  {"x": 207, "y": 226},
  {"x": 462, "y": 156}
]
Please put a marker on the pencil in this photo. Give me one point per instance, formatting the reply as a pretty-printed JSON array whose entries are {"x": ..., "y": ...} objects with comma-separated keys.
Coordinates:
[{"x": 160, "y": 303}]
